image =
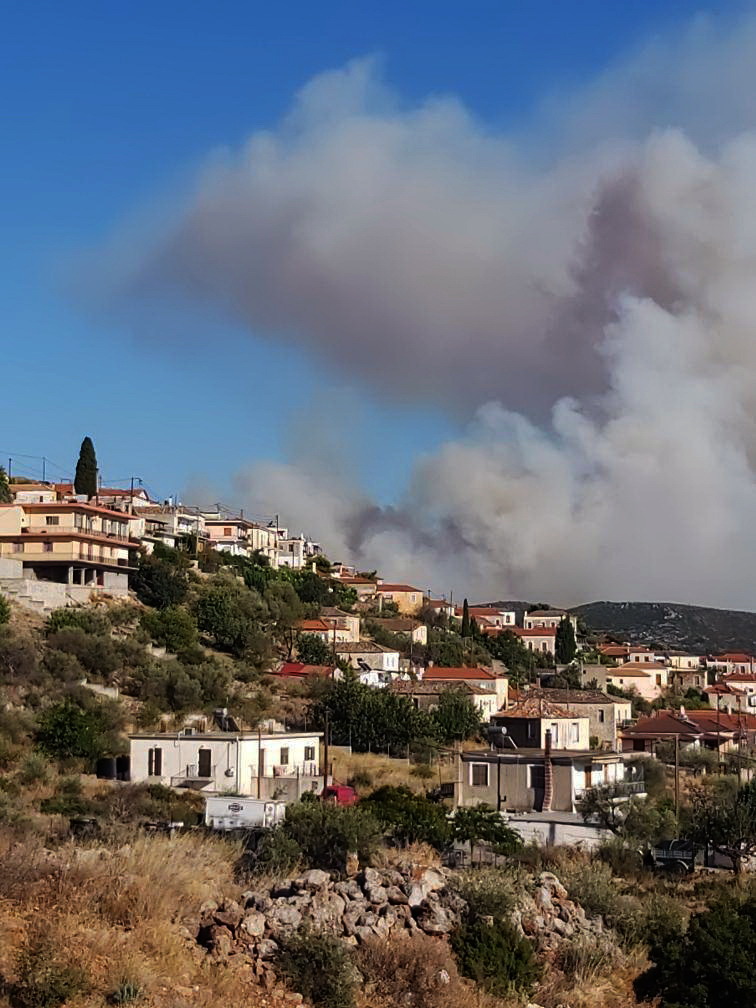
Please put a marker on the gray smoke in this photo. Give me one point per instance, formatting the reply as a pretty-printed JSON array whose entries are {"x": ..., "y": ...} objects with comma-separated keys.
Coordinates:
[{"x": 596, "y": 294}]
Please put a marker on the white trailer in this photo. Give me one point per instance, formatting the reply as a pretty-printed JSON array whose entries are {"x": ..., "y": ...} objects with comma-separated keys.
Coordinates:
[{"x": 224, "y": 812}]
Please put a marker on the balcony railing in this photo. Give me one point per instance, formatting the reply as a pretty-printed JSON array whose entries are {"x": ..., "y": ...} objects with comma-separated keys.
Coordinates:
[
  {"x": 191, "y": 772},
  {"x": 58, "y": 530},
  {"x": 618, "y": 789},
  {"x": 309, "y": 768}
]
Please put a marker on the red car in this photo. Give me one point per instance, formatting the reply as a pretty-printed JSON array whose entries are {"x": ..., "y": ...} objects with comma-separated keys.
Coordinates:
[{"x": 339, "y": 794}]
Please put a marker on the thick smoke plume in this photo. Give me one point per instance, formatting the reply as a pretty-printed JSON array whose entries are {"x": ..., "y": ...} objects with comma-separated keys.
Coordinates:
[{"x": 590, "y": 299}]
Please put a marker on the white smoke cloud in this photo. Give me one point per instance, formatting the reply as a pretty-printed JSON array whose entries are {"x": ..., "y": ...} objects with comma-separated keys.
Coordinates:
[{"x": 599, "y": 301}]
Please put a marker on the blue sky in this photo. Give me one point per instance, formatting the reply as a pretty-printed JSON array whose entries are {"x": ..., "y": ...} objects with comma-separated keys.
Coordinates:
[{"x": 104, "y": 106}]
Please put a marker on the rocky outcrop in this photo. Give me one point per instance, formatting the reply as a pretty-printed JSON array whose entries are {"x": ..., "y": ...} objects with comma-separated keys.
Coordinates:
[
  {"x": 548, "y": 917},
  {"x": 375, "y": 903}
]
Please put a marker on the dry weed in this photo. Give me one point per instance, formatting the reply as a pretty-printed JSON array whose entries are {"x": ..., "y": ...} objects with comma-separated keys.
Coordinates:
[{"x": 419, "y": 968}]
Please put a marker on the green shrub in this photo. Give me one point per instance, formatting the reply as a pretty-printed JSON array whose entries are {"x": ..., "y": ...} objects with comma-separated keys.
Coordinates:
[
  {"x": 408, "y": 817},
  {"x": 66, "y": 731},
  {"x": 326, "y": 833},
  {"x": 711, "y": 965},
  {"x": 126, "y": 991},
  {"x": 277, "y": 855},
  {"x": 423, "y": 770},
  {"x": 173, "y": 628},
  {"x": 361, "y": 780},
  {"x": 5, "y": 610},
  {"x": 318, "y": 966},
  {"x": 489, "y": 892},
  {"x": 91, "y": 620},
  {"x": 496, "y": 957},
  {"x": 33, "y": 770},
  {"x": 45, "y": 976}
]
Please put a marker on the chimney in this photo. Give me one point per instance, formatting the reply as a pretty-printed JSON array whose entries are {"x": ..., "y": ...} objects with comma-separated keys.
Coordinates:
[{"x": 548, "y": 775}]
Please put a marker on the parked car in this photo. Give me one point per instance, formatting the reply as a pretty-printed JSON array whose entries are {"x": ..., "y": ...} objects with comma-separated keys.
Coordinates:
[{"x": 339, "y": 794}]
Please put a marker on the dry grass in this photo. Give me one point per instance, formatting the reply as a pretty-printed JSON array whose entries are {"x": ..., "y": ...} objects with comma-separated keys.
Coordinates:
[
  {"x": 373, "y": 770},
  {"x": 419, "y": 970},
  {"x": 116, "y": 912},
  {"x": 591, "y": 988}
]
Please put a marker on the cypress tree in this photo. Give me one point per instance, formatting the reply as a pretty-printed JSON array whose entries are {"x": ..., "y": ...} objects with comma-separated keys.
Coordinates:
[
  {"x": 465, "y": 631},
  {"x": 5, "y": 490},
  {"x": 85, "y": 480},
  {"x": 564, "y": 643}
]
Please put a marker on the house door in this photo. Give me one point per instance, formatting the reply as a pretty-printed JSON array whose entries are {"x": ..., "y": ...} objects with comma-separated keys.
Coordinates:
[
  {"x": 588, "y": 783},
  {"x": 204, "y": 768}
]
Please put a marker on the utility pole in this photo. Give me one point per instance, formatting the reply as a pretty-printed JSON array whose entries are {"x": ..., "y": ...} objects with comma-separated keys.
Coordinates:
[
  {"x": 677, "y": 777},
  {"x": 325, "y": 752},
  {"x": 44, "y": 460}
]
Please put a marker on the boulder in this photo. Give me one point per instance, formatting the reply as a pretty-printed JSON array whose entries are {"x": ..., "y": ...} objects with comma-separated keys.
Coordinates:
[
  {"x": 313, "y": 880},
  {"x": 395, "y": 895},
  {"x": 285, "y": 916},
  {"x": 376, "y": 894},
  {"x": 254, "y": 924},
  {"x": 267, "y": 948},
  {"x": 370, "y": 878}
]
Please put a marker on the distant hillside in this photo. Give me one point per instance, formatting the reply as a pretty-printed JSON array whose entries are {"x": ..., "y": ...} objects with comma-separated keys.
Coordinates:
[{"x": 672, "y": 625}]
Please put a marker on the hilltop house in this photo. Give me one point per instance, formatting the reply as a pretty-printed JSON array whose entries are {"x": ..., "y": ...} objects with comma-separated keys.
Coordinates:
[
  {"x": 407, "y": 599},
  {"x": 416, "y": 631},
  {"x": 528, "y": 721},
  {"x": 541, "y": 639},
  {"x": 62, "y": 551},
  {"x": 424, "y": 694},
  {"x": 543, "y": 780},
  {"x": 481, "y": 678},
  {"x": 265, "y": 764},
  {"x": 548, "y": 619},
  {"x": 606, "y": 714},
  {"x": 648, "y": 679},
  {"x": 363, "y": 655}
]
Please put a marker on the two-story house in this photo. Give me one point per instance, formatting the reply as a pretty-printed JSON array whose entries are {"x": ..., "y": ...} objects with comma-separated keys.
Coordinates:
[
  {"x": 482, "y": 678},
  {"x": 648, "y": 679},
  {"x": 406, "y": 598},
  {"x": 425, "y": 695},
  {"x": 78, "y": 546},
  {"x": 548, "y": 619},
  {"x": 606, "y": 714},
  {"x": 260, "y": 764}
]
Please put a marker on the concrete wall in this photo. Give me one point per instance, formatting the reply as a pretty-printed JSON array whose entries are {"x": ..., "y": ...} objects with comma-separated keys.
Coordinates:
[{"x": 233, "y": 760}]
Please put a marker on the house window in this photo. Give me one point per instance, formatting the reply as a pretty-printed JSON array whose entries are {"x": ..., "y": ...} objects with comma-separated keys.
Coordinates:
[
  {"x": 555, "y": 734},
  {"x": 658, "y": 679},
  {"x": 309, "y": 753},
  {"x": 52, "y": 520},
  {"x": 227, "y": 532},
  {"x": 47, "y": 547},
  {"x": 574, "y": 732},
  {"x": 155, "y": 762},
  {"x": 284, "y": 756},
  {"x": 536, "y": 777},
  {"x": 532, "y": 729},
  {"x": 18, "y": 547},
  {"x": 479, "y": 774},
  {"x": 601, "y": 717}
]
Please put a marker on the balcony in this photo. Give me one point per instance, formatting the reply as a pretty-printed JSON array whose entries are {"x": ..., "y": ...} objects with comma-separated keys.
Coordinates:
[
  {"x": 194, "y": 776},
  {"x": 616, "y": 791}
]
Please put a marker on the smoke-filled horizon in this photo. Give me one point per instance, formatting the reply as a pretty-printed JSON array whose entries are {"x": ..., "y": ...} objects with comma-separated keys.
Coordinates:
[{"x": 582, "y": 293}]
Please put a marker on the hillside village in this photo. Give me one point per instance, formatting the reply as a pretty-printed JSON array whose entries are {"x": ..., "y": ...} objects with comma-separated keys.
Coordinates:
[{"x": 220, "y": 673}]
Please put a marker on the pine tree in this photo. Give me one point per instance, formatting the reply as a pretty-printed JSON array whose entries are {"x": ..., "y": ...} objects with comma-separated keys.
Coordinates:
[
  {"x": 564, "y": 644},
  {"x": 465, "y": 631},
  {"x": 85, "y": 480},
  {"x": 5, "y": 490}
]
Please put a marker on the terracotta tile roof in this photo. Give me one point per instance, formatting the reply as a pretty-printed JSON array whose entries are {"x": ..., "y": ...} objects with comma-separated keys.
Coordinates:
[
  {"x": 533, "y": 631},
  {"x": 362, "y": 647},
  {"x": 614, "y": 650},
  {"x": 438, "y": 673},
  {"x": 424, "y": 688},
  {"x": 398, "y": 624},
  {"x": 734, "y": 657},
  {"x": 724, "y": 689},
  {"x": 398, "y": 588},
  {"x": 533, "y": 707},
  {"x": 540, "y": 613},
  {"x": 314, "y": 625},
  {"x": 298, "y": 670},
  {"x": 739, "y": 677},
  {"x": 562, "y": 696},
  {"x": 663, "y": 723}
]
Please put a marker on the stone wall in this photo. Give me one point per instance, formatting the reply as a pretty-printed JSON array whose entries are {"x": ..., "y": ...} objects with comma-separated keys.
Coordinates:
[{"x": 374, "y": 903}]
